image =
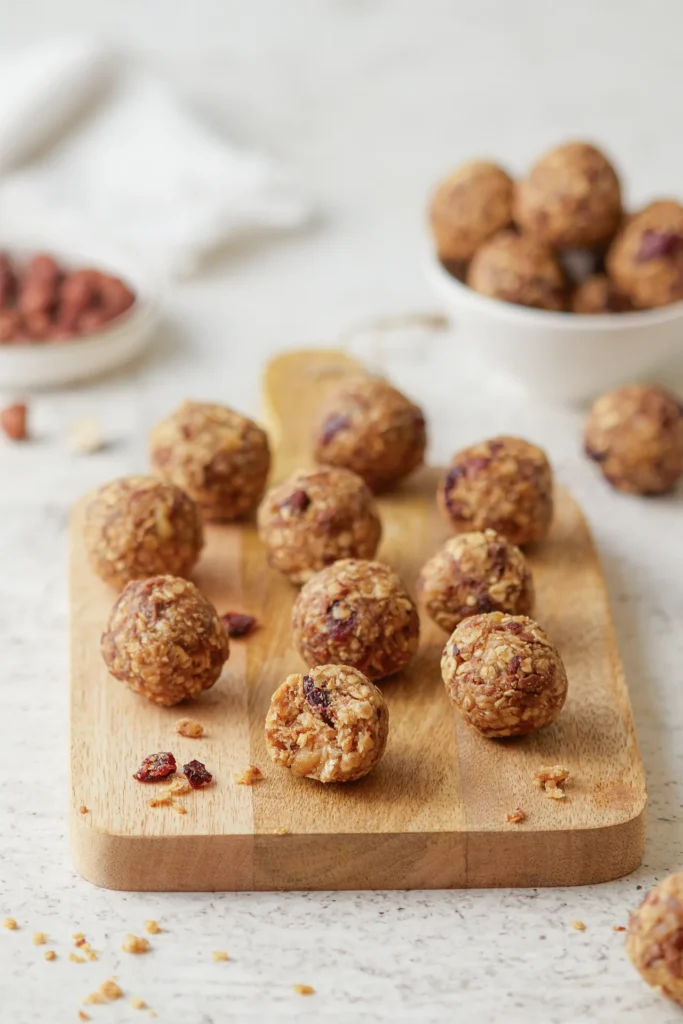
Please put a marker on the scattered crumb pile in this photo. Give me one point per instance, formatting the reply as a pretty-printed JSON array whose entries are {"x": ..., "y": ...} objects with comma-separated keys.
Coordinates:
[
  {"x": 517, "y": 817},
  {"x": 552, "y": 780}
]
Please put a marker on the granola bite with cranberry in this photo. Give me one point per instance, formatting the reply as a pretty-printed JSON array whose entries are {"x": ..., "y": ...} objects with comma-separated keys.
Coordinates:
[
  {"x": 598, "y": 294},
  {"x": 653, "y": 942},
  {"x": 330, "y": 724},
  {"x": 219, "y": 458},
  {"x": 570, "y": 199},
  {"x": 505, "y": 484},
  {"x": 520, "y": 269},
  {"x": 356, "y": 613},
  {"x": 646, "y": 258},
  {"x": 468, "y": 207},
  {"x": 164, "y": 640},
  {"x": 316, "y": 518},
  {"x": 475, "y": 573},
  {"x": 137, "y": 527},
  {"x": 503, "y": 674},
  {"x": 372, "y": 429},
  {"x": 635, "y": 434}
]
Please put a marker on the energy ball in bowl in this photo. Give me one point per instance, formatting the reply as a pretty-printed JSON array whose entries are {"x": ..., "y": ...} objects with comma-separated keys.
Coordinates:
[
  {"x": 503, "y": 674},
  {"x": 654, "y": 942},
  {"x": 520, "y": 269},
  {"x": 317, "y": 518},
  {"x": 138, "y": 526},
  {"x": 475, "y": 573},
  {"x": 646, "y": 258},
  {"x": 372, "y": 429},
  {"x": 356, "y": 613},
  {"x": 471, "y": 205},
  {"x": 598, "y": 294},
  {"x": 164, "y": 640},
  {"x": 330, "y": 724},
  {"x": 635, "y": 434},
  {"x": 219, "y": 458},
  {"x": 570, "y": 199},
  {"x": 505, "y": 484}
]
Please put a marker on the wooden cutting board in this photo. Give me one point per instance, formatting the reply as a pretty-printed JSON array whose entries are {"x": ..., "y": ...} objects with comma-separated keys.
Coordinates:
[{"x": 433, "y": 814}]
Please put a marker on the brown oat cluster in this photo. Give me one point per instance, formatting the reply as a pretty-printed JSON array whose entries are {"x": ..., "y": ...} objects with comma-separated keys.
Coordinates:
[
  {"x": 646, "y": 258},
  {"x": 356, "y": 613},
  {"x": 504, "y": 484},
  {"x": 369, "y": 427},
  {"x": 654, "y": 941},
  {"x": 219, "y": 458},
  {"x": 474, "y": 573},
  {"x": 598, "y": 294},
  {"x": 521, "y": 269},
  {"x": 552, "y": 778},
  {"x": 138, "y": 526},
  {"x": 635, "y": 434},
  {"x": 330, "y": 724},
  {"x": 164, "y": 640},
  {"x": 316, "y": 518},
  {"x": 468, "y": 207},
  {"x": 503, "y": 674}
]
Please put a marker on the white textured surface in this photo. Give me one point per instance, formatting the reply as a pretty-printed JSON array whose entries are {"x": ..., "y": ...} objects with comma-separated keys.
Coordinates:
[{"x": 366, "y": 102}]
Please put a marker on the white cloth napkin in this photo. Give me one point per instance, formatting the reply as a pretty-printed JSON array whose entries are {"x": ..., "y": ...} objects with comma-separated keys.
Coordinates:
[{"x": 95, "y": 147}]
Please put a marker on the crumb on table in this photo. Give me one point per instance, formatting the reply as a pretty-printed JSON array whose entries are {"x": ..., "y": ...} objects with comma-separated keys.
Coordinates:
[
  {"x": 220, "y": 956},
  {"x": 552, "y": 779},
  {"x": 152, "y": 927},
  {"x": 138, "y": 1004},
  {"x": 75, "y": 958},
  {"x": 50, "y": 954},
  {"x": 618, "y": 928},
  {"x": 579, "y": 926},
  {"x": 82, "y": 809},
  {"x": 304, "y": 990},
  {"x": 135, "y": 944},
  {"x": 10, "y": 924},
  {"x": 189, "y": 727},
  {"x": 517, "y": 816},
  {"x": 39, "y": 938},
  {"x": 82, "y": 1015},
  {"x": 249, "y": 776}
]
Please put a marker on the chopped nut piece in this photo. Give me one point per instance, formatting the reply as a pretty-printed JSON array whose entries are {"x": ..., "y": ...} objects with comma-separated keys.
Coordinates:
[
  {"x": 84, "y": 437},
  {"x": 552, "y": 779},
  {"x": 39, "y": 938},
  {"x": 579, "y": 925},
  {"x": 152, "y": 927},
  {"x": 220, "y": 955},
  {"x": 304, "y": 990},
  {"x": 110, "y": 990},
  {"x": 189, "y": 727},
  {"x": 135, "y": 944},
  {"x": 248, "y": 777},
  {"x": 10, "y": 924},
  {"x": 618, "y": 928},
  {"x": 82, "y": 809},
  {"x": 13, "y": 421},
  {"x": 138, "y": 1004},
  {"x": 517, "y": 816},
  {"x": 50, "y": 954}
]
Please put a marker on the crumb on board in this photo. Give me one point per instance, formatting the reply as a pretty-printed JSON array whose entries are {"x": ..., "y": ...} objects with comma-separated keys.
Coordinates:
[
  {"x": 82, "y": 809},
  {"x": 618, "y": 928},
  {"x": 517, "y": 816},
  {"x": 220, "y": 956},
  {"x": 39, "y": 938},
  {"x": 281, "y": 831},
  {"x": 135, "y": 944},
  {"x": 10, "y": 924},
  {"x": 138, "y": 1004},
  {"x": 578, "y": 925},
  {"x": 552, "y": 779},
  {"x": 304, "y": 990},
  {"x": 189, "y": 727},
  {"x": 152, "y": 927},
  {"x": 179, "y": 808},
  {"x": 50, "y": 954},
  {"x": 249, "y": 776},
  {"x": 167, "y": 794}
]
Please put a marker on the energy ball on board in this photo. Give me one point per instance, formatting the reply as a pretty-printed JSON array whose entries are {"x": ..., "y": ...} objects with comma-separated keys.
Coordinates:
[
  {"x": 372, "y": 429},
  {"x": 598, "y": 294},
  {"x": 356, "y": 613},
  {"x": 505, "y": 484},
  {"x": 139, "y": 526},
  {"x": 469, "y": 206},
  {"x": 503, "y": 674},
  {"x": 330, "y": 724},
  {"x": 219, "y": 458},
  {"x": 571, "y": 198},
  {"x": 520, "y": 269},
  {"x": 164, "y": 640},
  {"x": 654, "y": 942},
  {"x": 316, "y": 518},
  {"x": 635, "y": 434},
  {"x": 475, "y": 573},
  {"x": 646, "y": 258}
]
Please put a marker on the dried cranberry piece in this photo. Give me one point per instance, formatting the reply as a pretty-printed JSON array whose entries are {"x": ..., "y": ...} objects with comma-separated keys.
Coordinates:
[
  {"x": 196, "y": 774},
  {"x": 655, "y": 244},
  {"x": 297, "y": 502},
  {"x": 513, "y": 627},
  {"x": 338, "y": 628},
  {"x": 156, "y": 766},
  {"x": 332, "y": 425},
  {"x": 238, "y": 625},
  {"x": 313, "y": 693}
]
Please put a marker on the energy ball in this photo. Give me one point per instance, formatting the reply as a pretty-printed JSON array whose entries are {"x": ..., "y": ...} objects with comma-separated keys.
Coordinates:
[
  {"x": 164, "y": 640},
  {"x": 503, "y": 674},
  {"x": 654, "y": 942},
  {"x": 356, "y": 613},
  {"x": 571, "y": 198},
  {"x": 505, "y": 484},
  {"x": 646, "y": 258},
  {"x": 373, "y": 430},
  {"x": 635, "y": 434},
  {"x": 520, "y": 269},
  {"x": 475, "y": 573},
  {"x": 471, "y": 205},
  {"x": 598, "y": 294},
  {"x": 316, "y": 518},
  {"x": 330, "y": 724},
  {"x": 219, "y": 458},
  {"x": 138, "y": 526}
]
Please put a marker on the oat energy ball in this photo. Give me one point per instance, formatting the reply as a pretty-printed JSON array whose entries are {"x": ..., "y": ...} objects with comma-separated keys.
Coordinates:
[
  {"x": 598, "y": 294},
  {"x": 505, "y": 484},
  {"x": 646, "y": 258},
  {"x": 316, "y": 518},
  {"x": 654, "y": 942},
  {"x": 571, "y": 198},
  {"x": 356, "y": 613},
  {"x": 635, "y": 434},
  {"x": 475, "y": 573},
  {"x": 471, "y": 205},
  {"x": 164, "y": 640},
  {"x": 372, "y": 429},
  {"x": 503, "y": 674},
  {"x": 138, "y": 526},
  {"x": 219, "y": 458},
  {"x": 518, "y": 268},
  {"x": 330, "y": 724}
]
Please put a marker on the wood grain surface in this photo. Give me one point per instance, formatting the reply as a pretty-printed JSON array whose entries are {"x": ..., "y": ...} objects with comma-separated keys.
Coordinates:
[{"x": 433, "y": 814}]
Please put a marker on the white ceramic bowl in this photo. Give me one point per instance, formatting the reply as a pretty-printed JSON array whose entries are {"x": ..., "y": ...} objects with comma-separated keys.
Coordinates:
[{"x": 562, "y": 356}]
